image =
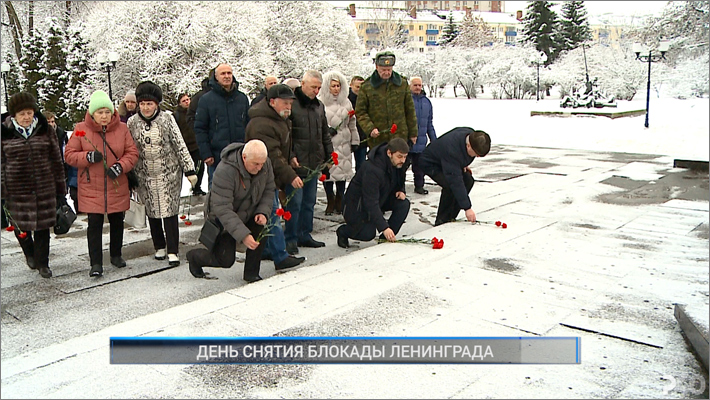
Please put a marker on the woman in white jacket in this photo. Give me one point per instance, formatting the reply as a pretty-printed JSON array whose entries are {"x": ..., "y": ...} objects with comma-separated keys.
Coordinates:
[{"x": 341, "y": 120}]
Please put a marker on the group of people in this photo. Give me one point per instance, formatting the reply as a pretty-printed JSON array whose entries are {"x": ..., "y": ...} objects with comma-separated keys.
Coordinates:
[
  {"x": 295, "y": 135},
  {"x": 103, "y": 150},
  {"x": 264, "y": 160}
]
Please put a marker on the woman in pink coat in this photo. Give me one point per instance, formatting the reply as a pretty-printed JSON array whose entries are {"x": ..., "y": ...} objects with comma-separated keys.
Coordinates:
[{"x": 103, "y": 150}]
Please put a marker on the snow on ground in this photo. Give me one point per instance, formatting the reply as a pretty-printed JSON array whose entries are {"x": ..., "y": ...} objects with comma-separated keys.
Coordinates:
[{"x": 677, "y": 128}]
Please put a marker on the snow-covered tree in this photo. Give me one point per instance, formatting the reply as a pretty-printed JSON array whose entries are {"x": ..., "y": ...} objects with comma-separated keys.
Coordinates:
[
  {"x": 54, "y": 82},
  {"x": 78, "y": 91},
  {"x": 450, "y": 31},
  {"x": 540, "y": 29},
  {"x": 31, "y": 62},
  {"x": 311, "y": 35},
  {"x": 617, "y": 70},
  {"x": 574, "y": 27},
  {"x": 474, "y": 32}
]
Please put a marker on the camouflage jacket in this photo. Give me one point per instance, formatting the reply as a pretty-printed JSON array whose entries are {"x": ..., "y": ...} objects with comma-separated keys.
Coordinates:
[{"x": 382, "y": 103}]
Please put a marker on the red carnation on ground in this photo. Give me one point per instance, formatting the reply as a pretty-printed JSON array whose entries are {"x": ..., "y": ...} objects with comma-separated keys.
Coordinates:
[
  {"x": 322, "y": 178},
  {"x": 188, "y": 223},
  {"x": 10, "y": 228},
  {"x": 183, "y": 216},
  {"x": 80, "y": 133},
  {"x": 505, "y": 226},
  {"x": 434, "y": 240},
  {"x": 280, "y": 212},
  {"x": 287, "y": 215},
  {"x": 22, "y": 235},
  {"x": 393, "y": 129},
  {"x": 498, "y": 223}
]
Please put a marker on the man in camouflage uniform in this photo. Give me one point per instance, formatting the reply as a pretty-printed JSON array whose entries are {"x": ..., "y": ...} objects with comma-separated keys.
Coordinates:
[{"x": 384, "y": 100}]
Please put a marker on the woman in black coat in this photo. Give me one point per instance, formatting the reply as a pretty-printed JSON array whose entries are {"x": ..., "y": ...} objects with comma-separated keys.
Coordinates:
[{"x": 33, "y": 184}]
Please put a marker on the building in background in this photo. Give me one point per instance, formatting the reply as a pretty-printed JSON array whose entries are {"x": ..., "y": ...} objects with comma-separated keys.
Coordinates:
[
  {"x": 485, "y": 6},
  {"x": 381, "y": 28}
]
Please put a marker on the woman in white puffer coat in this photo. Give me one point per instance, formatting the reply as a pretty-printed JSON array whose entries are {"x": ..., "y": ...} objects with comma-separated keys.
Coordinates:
[{"x": 341, "y": 120}]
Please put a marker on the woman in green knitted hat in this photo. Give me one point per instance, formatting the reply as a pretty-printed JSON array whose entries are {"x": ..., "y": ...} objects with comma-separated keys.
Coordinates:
[{"x": 103, "y": 150}]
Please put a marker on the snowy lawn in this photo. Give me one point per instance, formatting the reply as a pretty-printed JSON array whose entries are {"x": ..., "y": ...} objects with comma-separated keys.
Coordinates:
[{"x": 677, "y": 128}]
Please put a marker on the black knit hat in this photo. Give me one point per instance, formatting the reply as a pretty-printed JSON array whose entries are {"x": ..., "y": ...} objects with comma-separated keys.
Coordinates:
[
  {"x": 149, "y": 91},
  {"x": 21, "y": 101}
]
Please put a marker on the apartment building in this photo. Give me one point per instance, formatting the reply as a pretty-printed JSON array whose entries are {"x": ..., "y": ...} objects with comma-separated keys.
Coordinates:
[
  {"x": 484, "y": 6},
  {"x": 422, "y": 30}
]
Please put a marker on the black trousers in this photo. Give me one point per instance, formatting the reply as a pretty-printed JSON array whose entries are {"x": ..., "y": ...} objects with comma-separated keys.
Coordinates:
[
  {"x": 365, "y": 231},
  {"x": 94, "y": 234},
  {"x": 171, "y": 233},
  {"x": 223, "y": 252},
  {"x": 448, "y": 206},
  {"x": 35, "y": 245},
  {"x": 339, "y": 186},
  {"x": 197, "y": 160}
]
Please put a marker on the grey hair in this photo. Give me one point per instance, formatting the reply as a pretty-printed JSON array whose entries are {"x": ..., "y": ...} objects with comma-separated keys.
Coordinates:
[
  {"x": 255, "y": 148},
  {"x": 293, "y": 83},
  {"x": 313, "y": 74},
  {"x": 416, "y": 77}
]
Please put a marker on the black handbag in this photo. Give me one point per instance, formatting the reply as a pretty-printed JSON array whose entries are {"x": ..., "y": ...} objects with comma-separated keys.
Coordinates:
[
  {"x": 210, "y": 232},
  {"x": 65, "y": 218}
]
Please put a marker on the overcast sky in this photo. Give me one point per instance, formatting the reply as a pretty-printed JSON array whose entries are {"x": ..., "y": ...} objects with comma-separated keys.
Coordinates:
[{"x": 627, "y": 8}]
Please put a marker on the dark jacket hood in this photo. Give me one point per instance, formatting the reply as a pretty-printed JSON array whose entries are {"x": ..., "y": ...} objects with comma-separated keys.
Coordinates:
[
  {"x": 264, "y": 109},
  {"x": 376, "y": 81}
]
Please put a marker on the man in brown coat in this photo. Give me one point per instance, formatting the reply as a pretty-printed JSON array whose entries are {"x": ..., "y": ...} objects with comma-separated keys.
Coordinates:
[{"x": 268, "y": 122}]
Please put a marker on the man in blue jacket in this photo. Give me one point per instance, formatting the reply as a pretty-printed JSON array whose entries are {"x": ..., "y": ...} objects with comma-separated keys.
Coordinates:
[
  {"x": 221, "y": 117},
  {"x": 446, "y": 161},
  {"x": 425, "y": 115}
]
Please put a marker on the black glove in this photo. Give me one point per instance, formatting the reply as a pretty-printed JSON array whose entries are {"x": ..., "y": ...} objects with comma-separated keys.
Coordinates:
[
  {"x": 353, "y": 148},
  {"x": 332, "y": 131},
  {"x": 94, "y": 156},
  {"x": 115, "y": 170}
]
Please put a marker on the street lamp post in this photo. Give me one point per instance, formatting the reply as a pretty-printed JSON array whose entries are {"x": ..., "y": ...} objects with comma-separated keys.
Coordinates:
[
  {"x": 5, "y": 70},
  {"x": 109, "y": 63},
  {"x": 540, "y": 58},
  {"x": 651, "y": 57}
]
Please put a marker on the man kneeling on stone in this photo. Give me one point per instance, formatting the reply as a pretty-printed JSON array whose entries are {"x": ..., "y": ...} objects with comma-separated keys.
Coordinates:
[
  {"x": 447, "y": 161},
  {"x": 240, "y": 200},
  {"x": 378, "y": 186}
]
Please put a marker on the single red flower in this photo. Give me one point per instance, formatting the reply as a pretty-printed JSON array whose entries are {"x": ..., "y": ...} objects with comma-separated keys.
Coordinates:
[
  {"x": 80, "y": 133},
  {"x": 394, "y": 128},
  {"x": 322, "y": 178},
  {"x": 334, "y": 155},
  {"x": 22, "y": 235},
  {"x": 434, "y": 240},
  {"x": 10, "y": 228},
  {"x": 351, "y": 113},
  {"x": 335, "y": 161},
  {"x": 505, "y": 226},
  {"x": 287, "y": 215},
  {"x": 497, "y": 223},
  {"x": 280, "y": 212},
  {"x": 188, "y": 223},
  {"x": 183, "y": 216}
]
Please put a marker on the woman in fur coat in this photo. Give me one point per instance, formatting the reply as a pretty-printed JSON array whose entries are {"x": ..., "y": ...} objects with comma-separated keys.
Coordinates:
[
  {"x": 341, "y": 119},
  {"x": 163, "y": 159},
  {"x": 32, "y": 179}
]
